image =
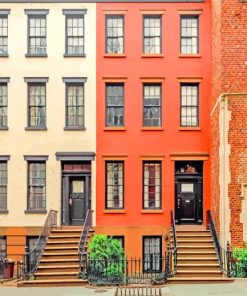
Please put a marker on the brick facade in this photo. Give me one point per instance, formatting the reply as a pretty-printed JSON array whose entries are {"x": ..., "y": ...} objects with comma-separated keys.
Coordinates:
[{"x": 229, "y": 125}]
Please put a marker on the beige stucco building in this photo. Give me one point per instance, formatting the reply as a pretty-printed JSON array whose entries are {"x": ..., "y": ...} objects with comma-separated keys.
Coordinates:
[{"x": 48, "y": 125}]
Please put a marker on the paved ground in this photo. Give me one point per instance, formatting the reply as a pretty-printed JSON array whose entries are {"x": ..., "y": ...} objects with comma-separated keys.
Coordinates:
[{"x": 238, "y": 288}]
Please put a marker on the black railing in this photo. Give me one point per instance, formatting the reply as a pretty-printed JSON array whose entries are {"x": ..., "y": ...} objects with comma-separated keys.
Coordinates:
[
  {"x": 224, "y": 255},
  {"x": 82, "y": 247},
  {"x": 32, "y": 257},
  {"x": 126, "y": 271},
  {"x": 172, "y": 250}
]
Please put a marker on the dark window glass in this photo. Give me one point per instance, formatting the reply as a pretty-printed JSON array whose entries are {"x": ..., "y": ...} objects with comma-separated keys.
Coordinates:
[
  {"x": 189, "y": 34},
  {"x": 3, "y": 185},
  {"x": 152, "y": 254},
  {"x": 35, "y": 248},
  {"x": 3, "y": 105},
  {"x": 74, "y": 35},
  {"x": 3, "y": 35},
  {"x": 75, "y": 105},
  {"x": 152, "y": 34},
  {"x": 152, "y": 105},
  {"x": 152, "y": 185},
  {"x": 37, "y": 105},
  {"x": 36, "y": 186},
  {"x": 37, "y": 35},
  {"x": 114, "y": 185},
  {"x": 114, "y": 105},
  {"x": 189, "y": 105},
  {"x": 115, "y": 34}
]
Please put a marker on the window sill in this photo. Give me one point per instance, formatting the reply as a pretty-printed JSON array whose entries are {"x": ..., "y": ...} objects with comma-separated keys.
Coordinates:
[
  {"x": 114, "y": 211},
  {"x": 29, "y": 55},
  {"x": 189, "y": 129},
  {"x": 30, "y": 128},
  {"x": 152, "y": 55},
  {"x": 5, "y": 128},
  {"x": 4, "y": 211},
  {"x": 4, "y": 55},
  {"x": 154, "y": 128},
  {"x": 35, "y": 211},
  {"x": 189, "y": 56},
  {"x": 115, "y": 128},
  {"x": 74, "y": 128},
  {"x": 68, "y": 55},
  {"x": 116, "y": 55},
  {"x": 152, "y": 211}
]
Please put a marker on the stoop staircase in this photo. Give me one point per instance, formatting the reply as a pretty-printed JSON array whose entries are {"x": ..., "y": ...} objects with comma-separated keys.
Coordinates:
[
  {"x": 60, "y": 261},
  {"x": 197, "y": 259}
]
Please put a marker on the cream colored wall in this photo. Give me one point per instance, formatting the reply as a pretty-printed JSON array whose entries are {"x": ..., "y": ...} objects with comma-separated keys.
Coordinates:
[{"x": 17, "y": 142}]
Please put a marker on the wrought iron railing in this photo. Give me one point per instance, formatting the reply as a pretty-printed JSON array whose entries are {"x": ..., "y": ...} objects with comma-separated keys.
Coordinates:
[
  {"x": 224, "y": 255},
  {"x": 172, "y": 251},
  {"x": 82, "y": 247},
  {"x": 126, "y": 271},
  {"x": 32, "y": 257}
]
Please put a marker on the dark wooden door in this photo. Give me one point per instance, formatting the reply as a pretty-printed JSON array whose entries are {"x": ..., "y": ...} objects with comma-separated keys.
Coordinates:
[
  {"x": 188, "y": 200},
  {"x": 77, "y": 200}
]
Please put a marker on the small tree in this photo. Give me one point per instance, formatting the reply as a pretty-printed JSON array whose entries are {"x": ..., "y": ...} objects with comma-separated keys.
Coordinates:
[{"x": 106, "y": 264}]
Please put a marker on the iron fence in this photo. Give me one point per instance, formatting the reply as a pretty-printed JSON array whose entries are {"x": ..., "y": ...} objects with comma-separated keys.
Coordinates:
[{"x": 126, "y": 271}]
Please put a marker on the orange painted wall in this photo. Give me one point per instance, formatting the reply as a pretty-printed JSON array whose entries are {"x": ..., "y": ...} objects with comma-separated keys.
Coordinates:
[{"x": 134, "y": 142}]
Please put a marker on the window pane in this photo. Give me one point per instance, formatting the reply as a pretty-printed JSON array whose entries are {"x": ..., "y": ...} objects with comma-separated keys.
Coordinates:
[
  {"x": 114, "y": 34},
  {"x": 114, "y": 185},
  {"x": 3, "y": 105},
  {"x": 3, "y": 35},
  {"x": 37, "y": 105},
  {"x": 152, "y": 254},
  {"x": 189, "y": 105},
  {"x": 152, "y": 34},
  {"x": 189, "y": 35},
  {"x": 36, "y": 185},
  {"x": 3, "y": 185},
  {"x": 152, "y": 105},
  {"x": 37, "y": 35},
  {"x": 75, "y": 105},
  {"x": 74, "y": 35},
  {"x": 114, "y": 105}
]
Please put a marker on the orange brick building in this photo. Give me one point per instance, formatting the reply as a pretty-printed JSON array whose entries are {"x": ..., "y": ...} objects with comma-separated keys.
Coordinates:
[
  {"x": 153, "y": 105},
  {"x": 228, "y": 120}
]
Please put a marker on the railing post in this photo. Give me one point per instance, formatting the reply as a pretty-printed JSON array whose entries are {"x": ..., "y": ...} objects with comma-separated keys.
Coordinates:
[
  {"x": 229, "y": 259},
  {"x": 27, "y": 260}
]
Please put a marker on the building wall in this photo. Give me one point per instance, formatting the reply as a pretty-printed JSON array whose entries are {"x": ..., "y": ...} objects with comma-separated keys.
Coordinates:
[
  {"x": 133, "y": 144},
  {"x": 228, "y": 138},
  {"x": 16, "y": 141}
]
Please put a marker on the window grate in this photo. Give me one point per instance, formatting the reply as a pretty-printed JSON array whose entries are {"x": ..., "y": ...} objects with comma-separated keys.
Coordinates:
[{"x": 152, "y": 254}]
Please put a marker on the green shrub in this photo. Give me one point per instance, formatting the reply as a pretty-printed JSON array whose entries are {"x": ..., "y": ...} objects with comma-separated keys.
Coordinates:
[
  {"x": 240, "y": 262},
  {"x": 106, "y": 265}
]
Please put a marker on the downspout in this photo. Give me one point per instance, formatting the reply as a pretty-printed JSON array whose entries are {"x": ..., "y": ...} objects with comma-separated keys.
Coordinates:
[{"x": 223, "y": 105}]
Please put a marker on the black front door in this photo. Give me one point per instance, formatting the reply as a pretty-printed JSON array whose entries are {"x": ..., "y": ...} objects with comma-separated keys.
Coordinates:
[
  {"x": 188, "y": 199},
  {"x": 77, "y": 200}
]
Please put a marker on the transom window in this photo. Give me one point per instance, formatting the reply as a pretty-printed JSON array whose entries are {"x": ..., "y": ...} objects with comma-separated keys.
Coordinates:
[
  {"x": 75, "y": 105},
  {"x": 115, "y": 105},
  {"x": 75, "y": 35},
  {"x": 152, "y": 34},
  {"x": 115, "y": 34},
  {"x": 3, "y": 105},
  {"x": 189, "y": 105},
  {"x": 114, "y": 185},
  {"x": 189, "y": 34},
  {"x": 152, "y": 105},
  {"x": 37, "y": 35},
  {"x": 37, "y": 105},
  {"x": 3, "y": 34},
  {"x": 152, "y": 185},
  {"x": 3, "y": 185},
  {"x": 36, "y": 186},
  {"x": 152, "y": 254}
]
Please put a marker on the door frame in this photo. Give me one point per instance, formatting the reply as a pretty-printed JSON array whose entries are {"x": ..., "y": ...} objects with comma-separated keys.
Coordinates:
[
  {"x": 65, "y": 188},
  {"x": 180, "y": 177}
]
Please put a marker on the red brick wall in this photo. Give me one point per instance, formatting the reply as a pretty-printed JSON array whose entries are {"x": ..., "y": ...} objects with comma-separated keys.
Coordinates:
[{"x": 229, "y": 71}]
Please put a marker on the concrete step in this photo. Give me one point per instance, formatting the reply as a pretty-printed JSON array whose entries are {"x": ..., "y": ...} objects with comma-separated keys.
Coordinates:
[
  {"x": 61, "y": 268},
  {"x": 56, "y": 275},
  {"x": 197, "y": 260},
  {"x": 52, "y": 283},
  {"x": 198, "y": 273},
  {"x": 199, "y": 280},
  {"x": 64, "y": 255},
  {"x": 198, "y": 266},
  {"x": 182, "y": 248}
]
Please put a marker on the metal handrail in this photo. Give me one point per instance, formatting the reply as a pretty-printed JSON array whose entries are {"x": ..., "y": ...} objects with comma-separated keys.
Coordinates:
[
  {"x": 32, "y": 257},
  {"x": 82, "y": 246},
  {"x": 171, "y": 260},
  {"x": 224, "y": 255}
]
